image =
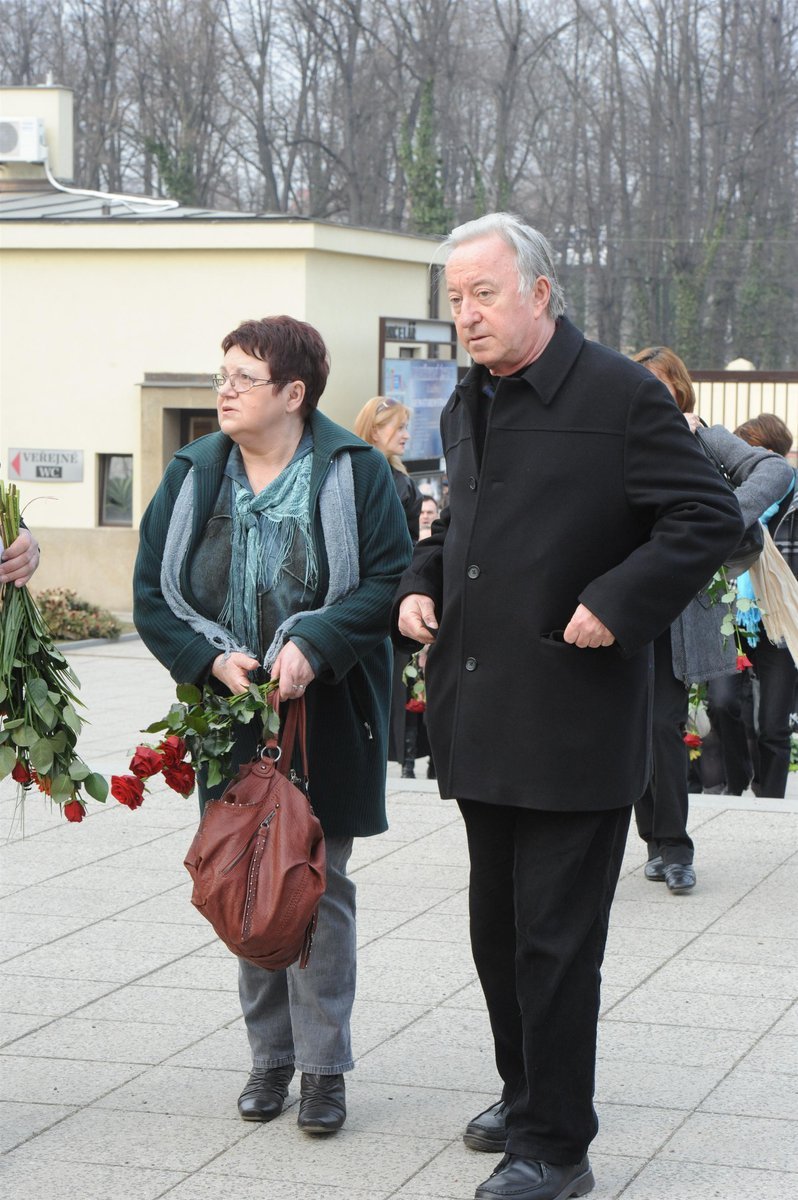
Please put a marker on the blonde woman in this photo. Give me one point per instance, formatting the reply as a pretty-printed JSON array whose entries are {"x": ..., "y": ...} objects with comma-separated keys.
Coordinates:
[{"x": 383, "y": 422}]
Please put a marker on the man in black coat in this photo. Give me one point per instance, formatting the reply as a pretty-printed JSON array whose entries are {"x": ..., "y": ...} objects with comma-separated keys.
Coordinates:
[{"x": 582, "y": 518}]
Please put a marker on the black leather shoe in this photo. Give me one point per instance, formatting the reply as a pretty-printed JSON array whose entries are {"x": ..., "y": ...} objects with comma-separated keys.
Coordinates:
[
  {"x": 680, "y": 877},
  {"x": 265, "y": 1094},
  {"x": 518, "y": 1178},
  {"x": 322, "y": 1103},
  {"x": 488, "y": 1130},
  {"x": 654, "y": 870}
]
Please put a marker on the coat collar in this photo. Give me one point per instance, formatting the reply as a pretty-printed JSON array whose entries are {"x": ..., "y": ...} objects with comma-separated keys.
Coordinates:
[
  {"x": 546, "y": 374},
  {"x": 329, "y": 439}
]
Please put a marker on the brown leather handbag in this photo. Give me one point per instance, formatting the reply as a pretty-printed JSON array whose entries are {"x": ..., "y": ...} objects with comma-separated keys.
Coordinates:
[{"x": 258, "y": 859}]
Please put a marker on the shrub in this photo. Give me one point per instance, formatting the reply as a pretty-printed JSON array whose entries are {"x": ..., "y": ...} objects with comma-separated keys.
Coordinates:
[{"x": 70, "y": 618}]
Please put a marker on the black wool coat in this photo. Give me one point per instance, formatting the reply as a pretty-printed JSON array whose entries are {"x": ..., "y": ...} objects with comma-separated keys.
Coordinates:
[{"x": 590, "y": 489}]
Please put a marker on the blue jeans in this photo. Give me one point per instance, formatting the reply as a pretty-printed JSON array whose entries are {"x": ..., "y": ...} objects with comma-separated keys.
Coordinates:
[{"x": 302, "y": 1016}]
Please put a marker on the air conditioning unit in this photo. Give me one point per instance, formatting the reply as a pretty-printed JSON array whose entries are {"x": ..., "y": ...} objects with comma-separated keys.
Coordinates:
[{"x": 22, "y": 140}]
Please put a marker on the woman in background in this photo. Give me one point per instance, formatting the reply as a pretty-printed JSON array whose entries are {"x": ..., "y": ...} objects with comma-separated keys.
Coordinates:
[
  {"x": 693, "y": 649},
  {"x": 774, "y": 667},
  {"x": 383, "y": 423}
]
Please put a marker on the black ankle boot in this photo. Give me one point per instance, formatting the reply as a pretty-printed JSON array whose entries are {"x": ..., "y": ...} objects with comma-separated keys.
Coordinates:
[
  {"x": 322, "y": 1104},
  {"x": 265, "y": 1093},
  {"x": 411, "y": 740}
]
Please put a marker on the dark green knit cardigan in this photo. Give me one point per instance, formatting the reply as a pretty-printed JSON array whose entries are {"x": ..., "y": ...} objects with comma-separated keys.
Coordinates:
[{"x": 348, "y": 703}]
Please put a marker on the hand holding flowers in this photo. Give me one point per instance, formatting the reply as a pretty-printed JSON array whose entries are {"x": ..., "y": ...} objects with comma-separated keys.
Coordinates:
[
  {"x": 39, "y": 721},
  {"x": 201, "y": 725}
]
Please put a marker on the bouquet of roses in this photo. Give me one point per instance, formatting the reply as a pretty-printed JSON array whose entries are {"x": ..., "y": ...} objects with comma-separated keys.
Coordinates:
[
  {"x": 200, "y": 726},
  {"x": 39, "y": 721}
]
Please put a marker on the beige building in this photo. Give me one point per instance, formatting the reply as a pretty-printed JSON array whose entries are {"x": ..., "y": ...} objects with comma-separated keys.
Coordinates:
[{"x": 111, "y": 315}]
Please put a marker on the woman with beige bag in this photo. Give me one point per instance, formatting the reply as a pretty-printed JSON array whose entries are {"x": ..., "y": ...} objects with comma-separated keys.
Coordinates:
[{"x": 773, "y": 648}]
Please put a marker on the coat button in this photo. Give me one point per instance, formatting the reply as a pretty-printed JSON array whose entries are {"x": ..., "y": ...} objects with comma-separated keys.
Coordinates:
[
  {"x": 472, "y": 483},
  {"x": 471, "y": 664},
  {"x": 474, "y": 572}
]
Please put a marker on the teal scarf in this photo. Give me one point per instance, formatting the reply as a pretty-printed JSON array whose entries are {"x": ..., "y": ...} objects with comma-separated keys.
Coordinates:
[{"x": 264, "y": 533}]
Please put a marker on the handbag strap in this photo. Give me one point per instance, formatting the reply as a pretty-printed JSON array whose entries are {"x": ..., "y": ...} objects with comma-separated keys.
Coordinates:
[
  {"x": 713, "y": 458},
  {"x": 295, "y": 728}
]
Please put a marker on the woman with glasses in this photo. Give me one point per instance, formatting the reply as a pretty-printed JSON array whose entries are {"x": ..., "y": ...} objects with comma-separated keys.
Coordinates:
[
  {"x": 383, "y": 422},
  {"x": 272, "y": 549}
]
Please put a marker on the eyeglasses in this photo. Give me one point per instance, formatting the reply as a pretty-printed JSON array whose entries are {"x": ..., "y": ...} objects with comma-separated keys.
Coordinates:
[
  {"x": 239, "y": 381},
  {"x": 383, "y": 404}
]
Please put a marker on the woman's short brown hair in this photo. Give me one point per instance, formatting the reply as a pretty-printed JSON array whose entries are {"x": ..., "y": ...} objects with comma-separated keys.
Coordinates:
[
  {"x": 766, "y": 430},
  {"x": 669, "y": 363},
  {"x": 293, "y": 350}
]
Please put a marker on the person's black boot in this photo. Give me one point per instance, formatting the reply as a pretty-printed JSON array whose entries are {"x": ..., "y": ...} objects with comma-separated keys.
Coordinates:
[
  {"x": 322, "y": 1103},
  {"x": 411, "y": 740},
  {"x": 265, "y": 1093}
]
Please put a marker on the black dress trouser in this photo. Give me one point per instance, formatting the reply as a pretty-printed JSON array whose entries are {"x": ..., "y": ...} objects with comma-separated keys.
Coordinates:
[
  {"x": 541, "y": 887},
  {"x": 661, "y": 812}
]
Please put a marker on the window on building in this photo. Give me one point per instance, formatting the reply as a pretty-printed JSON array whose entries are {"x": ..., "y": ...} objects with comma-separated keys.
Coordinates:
[
  {"x": 196, "y": 422},
  {"x": 116, "y": 489}
]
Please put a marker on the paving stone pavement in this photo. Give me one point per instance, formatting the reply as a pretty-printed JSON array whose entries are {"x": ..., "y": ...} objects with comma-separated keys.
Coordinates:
[{"x": 122, "y": 1048}]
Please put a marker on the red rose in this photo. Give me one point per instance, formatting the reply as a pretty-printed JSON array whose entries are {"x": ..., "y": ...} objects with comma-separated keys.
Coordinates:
[
  {"x": 743, "y": 661},
  {"x": 692, "y": 740},
  {"x": 74, "y": 811},
  {"x": 180, "y": 778},
  {"x": 146, "y": 762},
  {"x": 21, "y": 774},
  {"x": 415, "y": 705},
  {"x": 128, "y": 789},
  {"x": 173, "y": 750}
]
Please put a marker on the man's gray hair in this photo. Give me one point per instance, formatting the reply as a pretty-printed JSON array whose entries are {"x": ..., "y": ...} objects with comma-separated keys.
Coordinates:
[{"x": 532, "y": 252}]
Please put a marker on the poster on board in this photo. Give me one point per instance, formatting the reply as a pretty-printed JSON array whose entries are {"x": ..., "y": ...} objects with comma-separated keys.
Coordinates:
[{"x": 424, "y": 385}]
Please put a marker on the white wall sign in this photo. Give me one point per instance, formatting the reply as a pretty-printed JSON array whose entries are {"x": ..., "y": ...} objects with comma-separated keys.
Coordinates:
[{"x": 61, "y": 466}]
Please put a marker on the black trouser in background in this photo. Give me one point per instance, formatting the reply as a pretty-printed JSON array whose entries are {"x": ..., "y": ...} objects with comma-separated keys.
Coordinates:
[
  {"x": 541, "y": 886},
  {"x": 661, "y": 812},
  {"x": 730, "y": 709},
  {"x": 777, "y": 675}
]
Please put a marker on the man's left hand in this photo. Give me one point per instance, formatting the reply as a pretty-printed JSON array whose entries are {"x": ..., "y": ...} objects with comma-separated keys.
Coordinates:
[
  {"x": 20, "y": 559},
  {"x": 584, "y": 630}
]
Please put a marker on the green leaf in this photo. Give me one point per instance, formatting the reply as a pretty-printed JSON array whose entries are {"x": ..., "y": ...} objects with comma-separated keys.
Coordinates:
[
  {"x": 214, "y": 773},
  {"x": 71, "y": 719},
  {"x": 36, "y": 692},
  {"x": 15, "y": 723},
  {"x": 25, "y": 736},
  {"x": 58, "y": 741},
  {"x": 97, "y": 787},
  {"x": 8, "y": 760},
  {"x": 188, "y": 693},
  {"x": 3, "y": 692},
  {"x": 728, "y": 597},
  {"x": 78, "y": 770},
  {"x": 41, "y": 756},
  {"x": 61, "y": 785},
  {"x": 156, "y": 727}
]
